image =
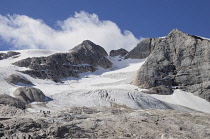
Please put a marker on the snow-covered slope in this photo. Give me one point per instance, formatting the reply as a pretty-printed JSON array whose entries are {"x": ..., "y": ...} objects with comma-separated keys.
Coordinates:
[
  {"x": 105, "y": 87},
  {"x": 7, "y": 68},
  {"x": 185, "y": 99}
]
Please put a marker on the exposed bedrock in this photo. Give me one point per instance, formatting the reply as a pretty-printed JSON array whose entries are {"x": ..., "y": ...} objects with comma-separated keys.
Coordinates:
[
  {"x": 11, "y": 101},
  {"x": 18, "y": 80},
  {"x": 143, "y": 49},
  {"x": 119, "y": 52},
  {"x": 82, "y": 58},
  {"x": 29, "y": 94},
  {"x": 178, "y": 60},
  {"x": 102, "y": 123},
  {"x": 8, "y": 54}
]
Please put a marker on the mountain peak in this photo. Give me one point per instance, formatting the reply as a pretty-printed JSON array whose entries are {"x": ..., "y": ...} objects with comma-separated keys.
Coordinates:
[
  {"x": 175, "y": 31},
  {"x": 173, "y": 56},
  {"x": 89, "y": 45},
  {"x": 86, "y": 42}
]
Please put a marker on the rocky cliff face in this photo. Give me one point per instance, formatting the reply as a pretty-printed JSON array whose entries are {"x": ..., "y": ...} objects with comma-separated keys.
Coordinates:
[
  {"x": 120, "y": 52},
  {"x": 83, "y": 58},
  {"x": 179, "y": 60},
  {"x": 143, "y": 49}
]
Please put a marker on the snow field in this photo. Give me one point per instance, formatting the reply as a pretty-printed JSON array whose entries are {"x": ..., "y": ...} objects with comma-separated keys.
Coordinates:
[{"x": 105, "y": 87}]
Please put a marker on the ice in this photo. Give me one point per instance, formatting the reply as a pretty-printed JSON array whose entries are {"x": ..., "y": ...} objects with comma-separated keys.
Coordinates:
[{"x": 103, "y": 87}]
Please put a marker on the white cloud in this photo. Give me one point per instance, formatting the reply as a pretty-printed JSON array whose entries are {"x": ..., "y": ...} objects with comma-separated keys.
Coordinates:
[{"x": 24, "y": 32}]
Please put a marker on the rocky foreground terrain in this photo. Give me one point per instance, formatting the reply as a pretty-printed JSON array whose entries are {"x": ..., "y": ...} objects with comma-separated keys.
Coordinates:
[{"x": 114, "y": 122}]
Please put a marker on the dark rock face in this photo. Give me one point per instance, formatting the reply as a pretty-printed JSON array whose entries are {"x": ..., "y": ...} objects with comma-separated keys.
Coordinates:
[
  {"x": 15, "y": 79},
  {"x": 120, "y": 52},
  {"x": 89, "y": 53},
  {"x": 82, "y": 58},
  {"x": 11, "y": 101},
  {"x": 143, "y": 49},
  {"x": 8, "y": 54},
  {"x": 180, "y": 60},
  {"x": 29, "y": 94}
]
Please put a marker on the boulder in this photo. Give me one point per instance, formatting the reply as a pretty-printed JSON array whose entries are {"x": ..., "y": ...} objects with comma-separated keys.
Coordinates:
[
  {"x": 29, "y": 94},
  {"x": 15, "y": 79},
  {"x": 120, "y": 52},
  {"x": 179, "y": 60},
  {"x": 82, "y": 58},
  {"x": 11, "y": 101}
]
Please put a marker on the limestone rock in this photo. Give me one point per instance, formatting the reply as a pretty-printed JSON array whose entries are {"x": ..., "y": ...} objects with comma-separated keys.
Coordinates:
[
  {"x": 120, "y": 52},
  {"x": 82, "y": 58},
  {"x": 91, "y": 54},
  {"x": 143, "y": 49},
  {"x": 179, "y": 60},
  {"x": 8, "y": 54},
  {"x": 15, "y": 79},
  {"x": 107, "y": 123},
  {"x": 29, "y": 94},
  {"x": 11, "y": 101}
]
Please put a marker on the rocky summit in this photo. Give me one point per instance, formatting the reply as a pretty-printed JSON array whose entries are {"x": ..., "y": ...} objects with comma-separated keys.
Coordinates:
[
  {"x": 82, "y": 58},
  {"x": 179, "y": 60}
]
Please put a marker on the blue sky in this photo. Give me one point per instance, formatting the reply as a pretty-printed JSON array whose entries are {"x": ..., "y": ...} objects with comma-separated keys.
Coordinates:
[{"x": 143, "y": 18}]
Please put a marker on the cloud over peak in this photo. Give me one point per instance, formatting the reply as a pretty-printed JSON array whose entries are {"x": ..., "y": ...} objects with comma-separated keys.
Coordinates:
[{"x": 23, "y": 32}]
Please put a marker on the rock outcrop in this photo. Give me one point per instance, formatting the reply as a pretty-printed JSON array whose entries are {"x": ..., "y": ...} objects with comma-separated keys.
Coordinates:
[
  {"x": 11, "y": 101},
  {"x": 17, "y": 79},
  {"x": 143, "y": 49},
  {"x": 8, "y": 54},
  {"x": 179, "y": 60},
  {"x": 119, "y": 52},
  {"x": 29, "y": 94},
  {"x": 82, "y": 58},
  {"x": 104, "y": 123}
]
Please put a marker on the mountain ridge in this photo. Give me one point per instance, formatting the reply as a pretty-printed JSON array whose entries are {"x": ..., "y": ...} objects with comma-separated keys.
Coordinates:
[
  {"x": 178, "y": 60},
  {"x": 99, "y": 101},
  {"x": 82, "y": 58}
]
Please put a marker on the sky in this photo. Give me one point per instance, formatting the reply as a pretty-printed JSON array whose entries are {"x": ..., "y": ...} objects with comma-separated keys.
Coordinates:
[{"x": 113, "y": 24}]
